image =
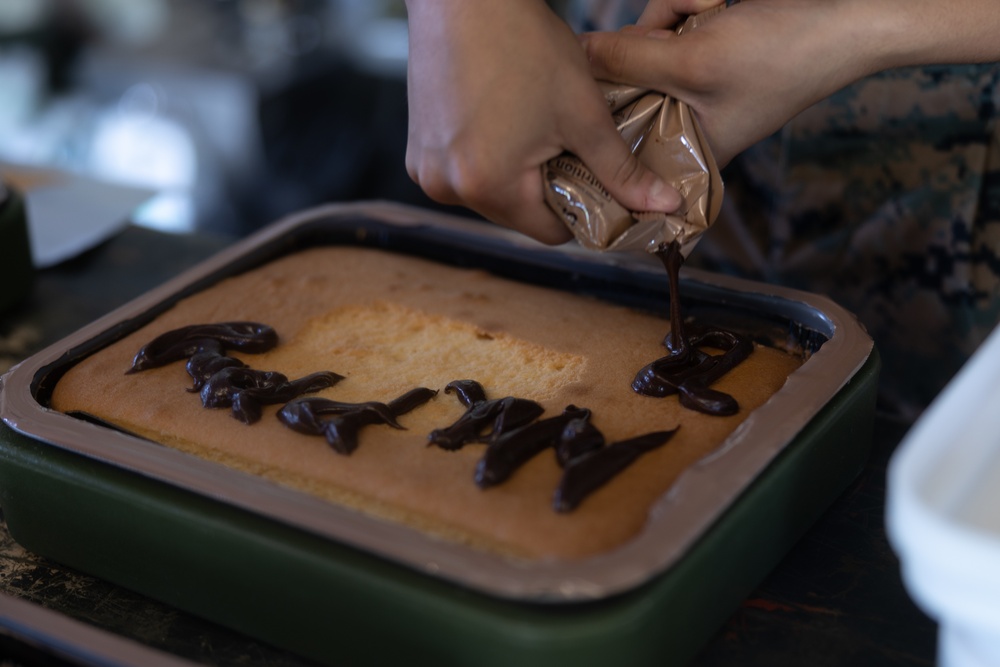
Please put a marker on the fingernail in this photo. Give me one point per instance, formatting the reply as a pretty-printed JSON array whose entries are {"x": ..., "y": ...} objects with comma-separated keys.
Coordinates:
[
  {"x": 663, "y": 197},
  {"x": 645, "y": 31}
]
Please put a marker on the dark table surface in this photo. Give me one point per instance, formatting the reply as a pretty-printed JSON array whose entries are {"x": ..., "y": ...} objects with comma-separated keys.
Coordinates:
[{"x": 835, "y": 599}]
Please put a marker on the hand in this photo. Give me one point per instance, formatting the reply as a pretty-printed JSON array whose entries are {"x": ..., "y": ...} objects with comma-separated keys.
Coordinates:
[
  {"x": 496, "y": 89},
  {"x": 666, "y": 14},
  {"x": 753, "y": 67},
  {"x": 746, "y": 71}
]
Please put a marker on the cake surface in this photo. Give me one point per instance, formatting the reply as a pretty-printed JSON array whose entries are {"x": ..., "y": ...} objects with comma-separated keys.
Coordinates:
[{"x": 390, "y": 323}]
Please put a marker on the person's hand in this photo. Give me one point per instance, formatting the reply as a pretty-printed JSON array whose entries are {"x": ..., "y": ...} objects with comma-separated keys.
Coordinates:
[
  {"x": 746, "y": 71},
  {"x": 751, "y": 68},
  {"x": 496, "y": 89},
  {"x": 666, "y": 14}
]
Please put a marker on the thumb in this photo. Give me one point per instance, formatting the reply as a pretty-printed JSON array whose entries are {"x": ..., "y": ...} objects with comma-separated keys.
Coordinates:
[
  {"x": 633, "y": 55},
  {"x": 631, "y": 183},
  {"x": 666, "y": 13}
]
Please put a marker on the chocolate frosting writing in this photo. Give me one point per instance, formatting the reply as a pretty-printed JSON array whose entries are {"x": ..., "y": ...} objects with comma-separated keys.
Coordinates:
[
  {"x": 509, "y": 427},
  {"x": 578, "y": 438},
  {"x": 586, "y": 473},
  {"x": 515, "y": 438},
  {"x": 223, "y": 381},
  {"x": 499, "y": 414},
  {"x": 687, "y": 370},
  {"x": 247, "y": 390},
  {"x": 340, "y": 422},
  {"x": 514, "y": 448},
  {"x": 185, "y": 342}
]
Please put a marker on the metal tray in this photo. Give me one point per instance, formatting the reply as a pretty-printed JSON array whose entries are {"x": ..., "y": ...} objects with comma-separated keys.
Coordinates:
[
  {"x": 723, "y": 524},
  {"x": 33, "y": 635}
]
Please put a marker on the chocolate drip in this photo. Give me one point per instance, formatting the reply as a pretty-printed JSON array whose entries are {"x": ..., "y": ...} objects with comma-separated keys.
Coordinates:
[
  {"x": 691, "y": 373},
  {"x": 513, "y": 448},
  {"x": 687, "y": 370},
  {"x": 185, "y": 342},
  {"x": 503, "y": 413},
  {"x": 340, "y": 422},
  {"x": 588, "y": 472}
]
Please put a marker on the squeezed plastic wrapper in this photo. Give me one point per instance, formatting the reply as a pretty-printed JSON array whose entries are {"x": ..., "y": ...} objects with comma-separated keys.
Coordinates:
[{"x": 665, "y": 136}]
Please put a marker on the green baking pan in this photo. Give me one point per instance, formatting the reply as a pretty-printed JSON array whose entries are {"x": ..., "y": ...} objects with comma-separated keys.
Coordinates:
[{"x": 341, "y": 589}]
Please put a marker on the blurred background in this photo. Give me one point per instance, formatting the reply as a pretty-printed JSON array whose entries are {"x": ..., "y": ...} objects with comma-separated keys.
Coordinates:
[{"x": 233, "y": 112}]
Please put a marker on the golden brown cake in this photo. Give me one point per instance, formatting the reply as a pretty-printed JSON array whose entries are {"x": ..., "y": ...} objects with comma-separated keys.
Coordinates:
[{"x": 390, "y": 323}]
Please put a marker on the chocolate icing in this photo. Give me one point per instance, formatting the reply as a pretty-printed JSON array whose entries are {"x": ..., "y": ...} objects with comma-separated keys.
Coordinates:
[
  {"x": 509, "y": 426},
  {"x": 514, "y": 437},
  {"x": 247, "y": 390},
  {"x": 687, "y": 370},
  {"x": 589, "y": 471},
  {"x": 514, "y": 448},
  {"x": 340, "y": 422},
  {"x": 502, "y": 413},
  {"x": 578, "y": 438},
  {"x": 223, "y": 381},
  {"x": 185, "y": 342},
  {"x": 207, "y": 361}
]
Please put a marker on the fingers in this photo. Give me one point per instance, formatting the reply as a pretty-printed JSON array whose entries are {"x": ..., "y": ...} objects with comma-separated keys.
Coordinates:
[
  {"x": 666, "y": 13},
  {"x": 532, "y": 216},
  {"x": 428, "y": 174},
  {"x": 518, "y": 204},
  {"x": 518, "y": 201},
  {"x": 633, "y": 56},
  {"x": 509, "y": 198},
  {"x": 630, "y": 182}
]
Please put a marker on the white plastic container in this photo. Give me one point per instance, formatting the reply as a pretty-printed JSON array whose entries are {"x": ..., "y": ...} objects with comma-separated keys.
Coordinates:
[{"x": 943, "y": 511}]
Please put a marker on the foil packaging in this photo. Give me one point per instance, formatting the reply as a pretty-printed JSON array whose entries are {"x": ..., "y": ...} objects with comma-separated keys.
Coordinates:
[{"x": 665, "y": 136}]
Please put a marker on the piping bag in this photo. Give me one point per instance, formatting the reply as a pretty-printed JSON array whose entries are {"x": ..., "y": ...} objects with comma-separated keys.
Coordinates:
[{"x": 666, "y": 137}]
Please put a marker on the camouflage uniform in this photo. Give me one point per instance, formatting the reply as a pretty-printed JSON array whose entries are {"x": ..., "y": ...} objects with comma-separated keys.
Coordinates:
[{"x": 886, "y": 197}]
